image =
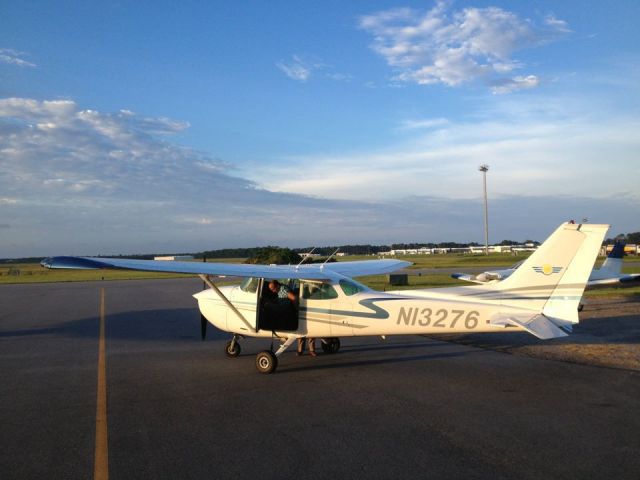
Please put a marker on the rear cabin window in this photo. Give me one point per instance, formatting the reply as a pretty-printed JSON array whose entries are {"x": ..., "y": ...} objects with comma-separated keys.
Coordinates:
[{"x": 318, "y": 291}]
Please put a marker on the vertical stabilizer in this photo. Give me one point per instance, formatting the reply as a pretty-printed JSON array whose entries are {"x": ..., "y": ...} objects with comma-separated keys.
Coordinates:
[
  {"x": 553, "y": 278},
  {"x": 612, "y": 265},
  {"x": 562, "y": 306}
]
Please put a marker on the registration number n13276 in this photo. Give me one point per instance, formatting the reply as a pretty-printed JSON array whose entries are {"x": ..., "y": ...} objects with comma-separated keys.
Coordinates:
[{"x": 442, "y": 318}]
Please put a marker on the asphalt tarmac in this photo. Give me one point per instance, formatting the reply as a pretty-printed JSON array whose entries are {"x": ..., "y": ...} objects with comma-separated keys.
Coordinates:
[{"x": 407, "y": 407}]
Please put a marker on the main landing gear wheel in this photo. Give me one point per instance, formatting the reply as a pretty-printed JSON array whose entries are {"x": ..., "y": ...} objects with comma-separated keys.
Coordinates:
[
  {"x": 330, "y": 345},
  {"x": 232, "y": 348},
  {"x": 266, "y": 362}
]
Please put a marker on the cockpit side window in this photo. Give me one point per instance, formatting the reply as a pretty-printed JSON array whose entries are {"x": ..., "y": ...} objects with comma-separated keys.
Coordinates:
[
  {"x": 318, "y": 291},
  {"x": 350, "y": 288},
  {"x": 250, "y": 285}
]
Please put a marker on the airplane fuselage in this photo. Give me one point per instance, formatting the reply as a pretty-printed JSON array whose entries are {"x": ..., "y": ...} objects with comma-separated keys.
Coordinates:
[{"x": 363, "y": 313}]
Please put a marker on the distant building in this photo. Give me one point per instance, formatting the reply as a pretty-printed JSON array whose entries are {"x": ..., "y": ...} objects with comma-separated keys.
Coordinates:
[
  {"x": 475, "y": 249},
  {"x": 174, "y": 257},
  {"x": 310, "y": 255},
  {"x": 527, "y": 247}
]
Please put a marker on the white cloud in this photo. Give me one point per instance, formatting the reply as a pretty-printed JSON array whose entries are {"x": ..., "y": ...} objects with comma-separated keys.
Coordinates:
[
  {"x": 13, "y": 57},
  {"x": 339, "y": 77},
  {"x": 453, "y": 48},
  {"x": 423, "y": 124},
  {"x": 108, "y": 183},
  {"x": 302, "y": 69},
  {"x": 33, "y": 109},
  {"x": 557, "y": 24},
  {"x": 546, "y": 146},
  {"x": 515, "y": 83},
  {"x": 296, "y": 69},
  {"x": 55, "y": 149},
  {"x": 195, "y": 220},
  {"x": 86, "y": 182}
]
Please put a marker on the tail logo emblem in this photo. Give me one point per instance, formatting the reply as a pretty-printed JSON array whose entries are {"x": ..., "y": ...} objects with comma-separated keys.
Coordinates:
[{"x": 547, "y": 269}]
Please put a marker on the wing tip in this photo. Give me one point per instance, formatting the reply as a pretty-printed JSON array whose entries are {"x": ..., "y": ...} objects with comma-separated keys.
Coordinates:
[{"x": 78, "y": 263}]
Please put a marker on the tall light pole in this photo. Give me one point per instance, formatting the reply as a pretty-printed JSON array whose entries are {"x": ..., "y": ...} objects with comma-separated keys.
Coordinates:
[{"x": 484, "y": 168}]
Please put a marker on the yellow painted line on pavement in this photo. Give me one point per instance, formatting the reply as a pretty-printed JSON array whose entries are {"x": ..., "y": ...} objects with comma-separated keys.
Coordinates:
[{"x": 101, "y": 462}]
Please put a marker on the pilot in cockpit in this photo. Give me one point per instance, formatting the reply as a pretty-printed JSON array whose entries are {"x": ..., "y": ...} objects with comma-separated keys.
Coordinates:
[{"x": 282, "y": 292}]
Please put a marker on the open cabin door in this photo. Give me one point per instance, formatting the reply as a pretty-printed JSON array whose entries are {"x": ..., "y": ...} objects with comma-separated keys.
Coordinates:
[{"x": 274, "y": 313}]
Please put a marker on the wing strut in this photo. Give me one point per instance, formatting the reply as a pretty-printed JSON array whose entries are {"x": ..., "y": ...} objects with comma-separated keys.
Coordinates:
[{"x": 205, "y": 279}]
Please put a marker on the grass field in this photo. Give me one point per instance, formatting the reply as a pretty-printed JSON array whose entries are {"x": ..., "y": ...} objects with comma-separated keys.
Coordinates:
[{"x": 34, "y": 273}]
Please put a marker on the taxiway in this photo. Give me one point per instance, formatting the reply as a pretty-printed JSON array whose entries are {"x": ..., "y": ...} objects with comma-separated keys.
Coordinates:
[{"x": 407, "y": 407}]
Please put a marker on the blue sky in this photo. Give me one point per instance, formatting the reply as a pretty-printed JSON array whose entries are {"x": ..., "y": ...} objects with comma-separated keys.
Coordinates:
[{"x": 132, "y": 127}]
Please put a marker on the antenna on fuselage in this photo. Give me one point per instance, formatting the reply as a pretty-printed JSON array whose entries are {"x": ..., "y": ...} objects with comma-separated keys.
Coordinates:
[
  {"x": 308, "y": 255},
  {"x": 329, "y": 257}
]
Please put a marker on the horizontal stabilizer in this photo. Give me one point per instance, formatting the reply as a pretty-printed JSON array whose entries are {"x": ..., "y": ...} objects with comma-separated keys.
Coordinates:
[
  {"x": 537, "y": 325},
  {"x": 633, "y": 278}
]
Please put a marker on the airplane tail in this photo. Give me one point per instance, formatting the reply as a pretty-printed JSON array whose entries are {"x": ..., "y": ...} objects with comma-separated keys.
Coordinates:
[
  {"x": 552, "y": 280},
  {"x": 613, "y": 263}
]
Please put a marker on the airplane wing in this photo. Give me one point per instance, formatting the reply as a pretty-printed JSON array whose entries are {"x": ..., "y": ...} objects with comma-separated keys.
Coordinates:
[
  {"x": 310, "y": 272},
  {"x": 484, "y": 277},
  {"x": 628, "y": 280},
  {"x": 363, "y": 267}
]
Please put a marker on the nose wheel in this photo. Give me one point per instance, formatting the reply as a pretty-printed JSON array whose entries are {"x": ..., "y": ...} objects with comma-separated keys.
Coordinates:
[{"x": 232, "y": 347}]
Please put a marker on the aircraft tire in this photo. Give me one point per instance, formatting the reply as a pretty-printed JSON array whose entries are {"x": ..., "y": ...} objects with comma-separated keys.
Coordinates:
[
  {"x": 331, "y": 345},
  {"x": 232, "y": 352},
  {"x": 266, "y": 362}
]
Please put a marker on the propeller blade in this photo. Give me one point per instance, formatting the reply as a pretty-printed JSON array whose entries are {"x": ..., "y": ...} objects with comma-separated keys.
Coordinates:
[{"x": 203, "y": 326}]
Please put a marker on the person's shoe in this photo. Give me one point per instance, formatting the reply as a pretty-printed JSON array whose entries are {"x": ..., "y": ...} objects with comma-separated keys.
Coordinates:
[
  {"x": 298, "y": 353},
  {"x": 313, "y": 354}
]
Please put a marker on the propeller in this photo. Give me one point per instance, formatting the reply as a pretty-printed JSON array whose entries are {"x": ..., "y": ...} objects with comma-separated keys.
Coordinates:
[{"x": 203, "y": 327}]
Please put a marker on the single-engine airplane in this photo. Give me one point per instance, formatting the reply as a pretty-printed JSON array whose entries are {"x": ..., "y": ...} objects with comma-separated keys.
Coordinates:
[
  {"x": 608, "y": 275},
  {"x": 541, "y": 297}
]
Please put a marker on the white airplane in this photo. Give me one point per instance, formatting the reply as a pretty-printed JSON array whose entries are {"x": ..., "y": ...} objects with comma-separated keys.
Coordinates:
[
  {"x": 541, "y": 297},
  {"x": 608, "y": 275}
]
